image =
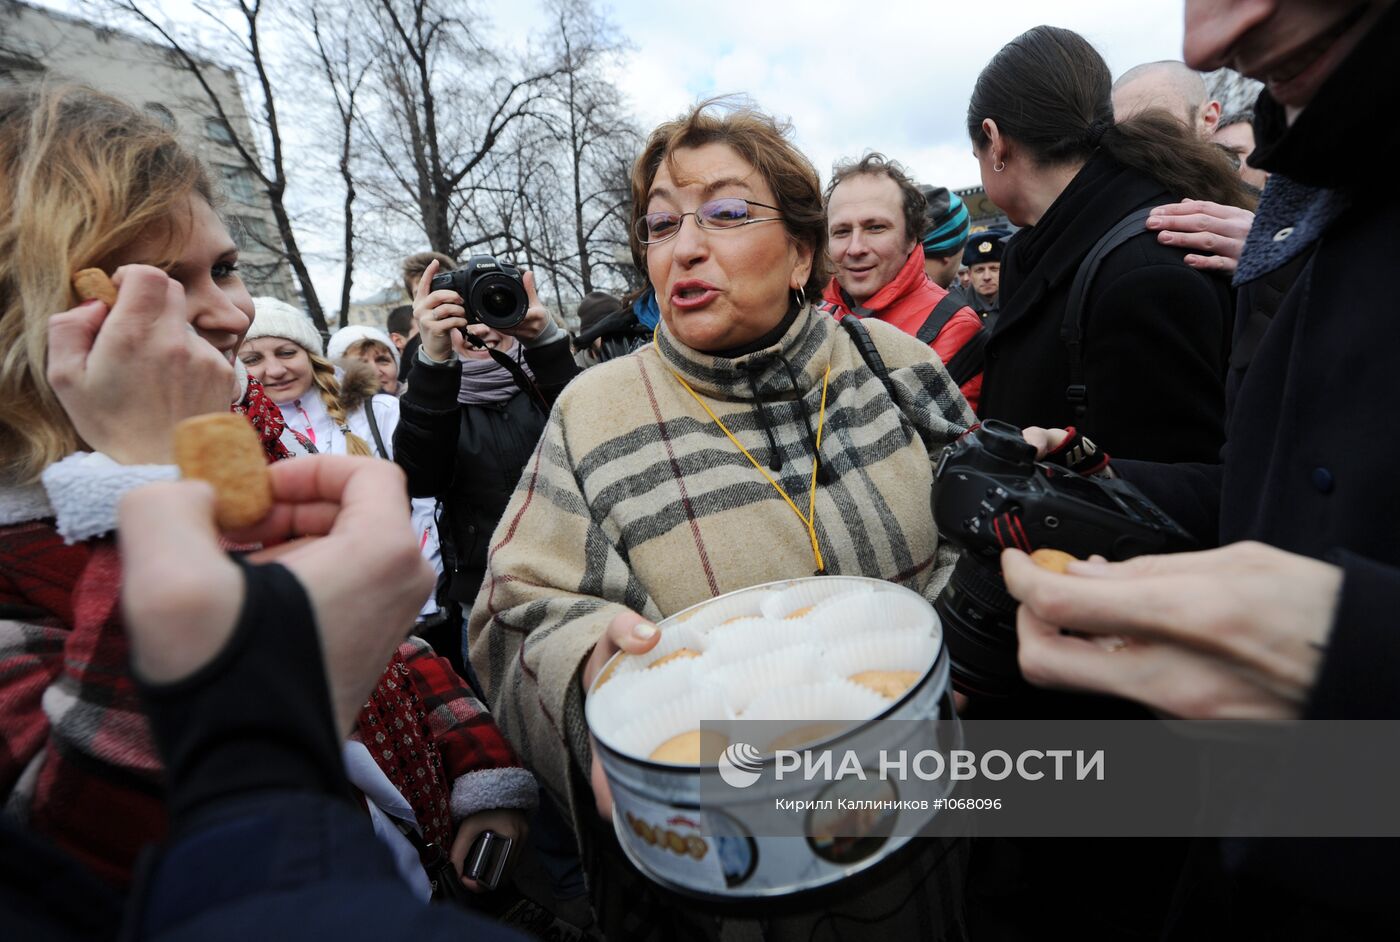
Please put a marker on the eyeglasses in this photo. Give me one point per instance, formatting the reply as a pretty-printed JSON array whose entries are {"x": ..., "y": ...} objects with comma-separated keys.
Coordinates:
[{"x": 730, "y": 212}]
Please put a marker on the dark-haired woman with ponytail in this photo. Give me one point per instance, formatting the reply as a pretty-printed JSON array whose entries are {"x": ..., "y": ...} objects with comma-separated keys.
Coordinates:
[
  {"x": 1149, "y": 375},
  {"x": 1147, "y": 381}
]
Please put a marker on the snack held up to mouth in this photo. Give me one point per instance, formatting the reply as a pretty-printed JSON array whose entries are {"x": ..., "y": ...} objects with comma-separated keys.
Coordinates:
[{"x": 92, "y": 284}]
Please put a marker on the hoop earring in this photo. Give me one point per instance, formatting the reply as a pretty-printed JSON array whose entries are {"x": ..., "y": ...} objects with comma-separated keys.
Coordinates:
[
  {"x": 801, "y": 297},
  {"x": 999, "y": 166}
]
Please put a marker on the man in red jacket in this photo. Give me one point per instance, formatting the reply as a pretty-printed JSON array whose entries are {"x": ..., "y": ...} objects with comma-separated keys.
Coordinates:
[{"x": 875, "y": 215}]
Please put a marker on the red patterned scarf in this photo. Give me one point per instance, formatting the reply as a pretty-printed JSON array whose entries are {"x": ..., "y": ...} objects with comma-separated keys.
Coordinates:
[
  {"x": 394, "y": 730},
  {"x": 267, "y": 421}
]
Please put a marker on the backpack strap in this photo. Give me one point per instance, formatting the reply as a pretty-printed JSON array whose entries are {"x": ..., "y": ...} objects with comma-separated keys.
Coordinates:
[
  {"x": 938, "y": 318},
  {"x": 970, "y": 359},
  {"x": 1072, "y": 327},
  {"x": 374, "y": 429}
]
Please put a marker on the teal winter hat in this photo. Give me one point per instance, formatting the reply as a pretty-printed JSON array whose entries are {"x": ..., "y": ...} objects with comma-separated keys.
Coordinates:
[{"x": 947, "y": 222}]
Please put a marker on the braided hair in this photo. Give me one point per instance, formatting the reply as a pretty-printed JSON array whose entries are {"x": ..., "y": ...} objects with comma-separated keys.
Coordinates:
[{"x": 323, "y": 378}]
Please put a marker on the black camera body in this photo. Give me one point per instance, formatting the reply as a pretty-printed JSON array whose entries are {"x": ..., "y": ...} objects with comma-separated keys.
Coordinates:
[
  {"x": 992, "y": 494},
  {"x": 492, "y": 291}
]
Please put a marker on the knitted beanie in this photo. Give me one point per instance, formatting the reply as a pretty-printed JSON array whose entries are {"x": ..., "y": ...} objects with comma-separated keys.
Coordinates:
[
  {"x": 947, "y": 222},
  {"x": 274, "y": 318},
  {"x": 347, "y": 337}
]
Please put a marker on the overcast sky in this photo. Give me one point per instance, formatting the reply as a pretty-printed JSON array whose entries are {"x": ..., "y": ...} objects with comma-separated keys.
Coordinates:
[{"x": 888, "y": 75}]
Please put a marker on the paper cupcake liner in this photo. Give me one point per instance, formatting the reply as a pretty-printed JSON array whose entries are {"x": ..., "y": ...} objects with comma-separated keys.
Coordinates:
[
  {"x": 613, "y": 705},
  {"x": 751, "y": 638},
  {"x": 896, "y": 649},
  {"x": 663, "y": 721},
  {"x": 905, "y": 650},
  {"x": 836, "y": 699},
  {"x": 737, "y": 627},
  {"x": 742, "y": 681},
  {"x": 814, "y": 712},
  {"x": 673, "y": 639},
  {"x": 707, "y": 615},
  {"x": 849, "y": 617},
  {"x": 809, "y": 594}
]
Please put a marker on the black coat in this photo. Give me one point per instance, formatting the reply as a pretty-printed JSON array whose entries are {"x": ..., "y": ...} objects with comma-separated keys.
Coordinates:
[
  {"x": 470, "y": 457},
  {"x": 1156, "y": 333}
]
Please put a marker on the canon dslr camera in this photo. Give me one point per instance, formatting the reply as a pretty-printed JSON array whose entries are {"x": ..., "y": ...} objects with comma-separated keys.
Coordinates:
[
  {"x": 993, "y": 494},
  {"x": 492, "y": 291}
]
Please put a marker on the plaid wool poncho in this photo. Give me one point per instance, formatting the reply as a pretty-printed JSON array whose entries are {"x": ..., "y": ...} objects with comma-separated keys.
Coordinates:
[{"x": 636, "y": 499}]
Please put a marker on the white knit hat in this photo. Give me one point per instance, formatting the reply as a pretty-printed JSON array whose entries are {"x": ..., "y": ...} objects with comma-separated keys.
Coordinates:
[
  {"x": 274, "y": 318},
  {"x": 347, "y": 337}
]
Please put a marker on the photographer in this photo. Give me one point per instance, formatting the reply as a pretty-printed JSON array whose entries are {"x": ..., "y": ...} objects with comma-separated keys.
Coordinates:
[
  {"x": 607, "y": 329},
  {"x": 467, "y": 425}
]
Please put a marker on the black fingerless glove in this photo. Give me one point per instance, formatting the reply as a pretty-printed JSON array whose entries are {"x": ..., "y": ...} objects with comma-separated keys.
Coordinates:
[{"x": 1078, "y": 454}]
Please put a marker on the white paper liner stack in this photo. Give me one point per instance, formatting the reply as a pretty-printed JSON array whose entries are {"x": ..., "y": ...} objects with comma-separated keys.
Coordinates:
[{"x": 765, "y": 654}]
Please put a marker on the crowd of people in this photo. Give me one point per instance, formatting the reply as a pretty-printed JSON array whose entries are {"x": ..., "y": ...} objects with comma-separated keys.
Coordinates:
[{"x": 308, "y": 724}]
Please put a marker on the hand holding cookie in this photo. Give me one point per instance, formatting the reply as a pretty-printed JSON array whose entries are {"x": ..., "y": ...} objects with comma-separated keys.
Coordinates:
[
  {"x": 182, "y": 593},
  {"x": 1236, "y": 632},
  {"x": 127, "y": 372}
]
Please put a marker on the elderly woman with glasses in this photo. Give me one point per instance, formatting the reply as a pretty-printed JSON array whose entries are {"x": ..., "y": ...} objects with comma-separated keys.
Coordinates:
[{"x": 750, "y": 441}]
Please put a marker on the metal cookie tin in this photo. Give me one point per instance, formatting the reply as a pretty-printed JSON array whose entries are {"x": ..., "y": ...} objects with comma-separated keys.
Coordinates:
[{"x": 727, "y": 853}]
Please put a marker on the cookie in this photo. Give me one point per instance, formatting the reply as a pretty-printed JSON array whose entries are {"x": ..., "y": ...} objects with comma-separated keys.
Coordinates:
[
  {"x": 889, "y": 684},
  {"x": 223, "y": 449},
  {"x": 691, "y": 748},
  {"x": 675, "y": 655},
  {"x": 1053, "y": 560},
  {"x": 92, "y": 284}
]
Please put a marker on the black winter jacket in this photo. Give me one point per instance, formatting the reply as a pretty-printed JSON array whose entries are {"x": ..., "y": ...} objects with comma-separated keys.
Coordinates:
[
  {"x": 470, "y": 456},
  {"x": 1156, "y": 333}
]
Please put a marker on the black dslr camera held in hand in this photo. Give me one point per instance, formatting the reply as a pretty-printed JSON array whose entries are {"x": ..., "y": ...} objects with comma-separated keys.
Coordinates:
[
  {"x": 992, "y": 494},
  {"x": 492, "y": 291}
]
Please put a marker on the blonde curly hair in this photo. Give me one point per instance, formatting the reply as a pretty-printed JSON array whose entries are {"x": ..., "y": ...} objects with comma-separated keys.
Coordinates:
[{"x": 83, "y": 177}]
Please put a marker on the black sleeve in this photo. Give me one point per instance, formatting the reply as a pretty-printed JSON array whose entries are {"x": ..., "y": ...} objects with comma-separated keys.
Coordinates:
[
  {"x": 553, "y": 365},
  {"x": 1157, "y": 338},
  {"x": 1362, "y": 659},
  {"x": 257, "y": 718},
  {"x": 1189, "y": 493},
  {"x": 425, "y": 442}
]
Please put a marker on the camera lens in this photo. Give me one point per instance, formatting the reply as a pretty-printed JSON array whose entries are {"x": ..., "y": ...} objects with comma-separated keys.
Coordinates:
[
  {"x": 979, "y": 623},
  {"x": 499, "y": 301}
]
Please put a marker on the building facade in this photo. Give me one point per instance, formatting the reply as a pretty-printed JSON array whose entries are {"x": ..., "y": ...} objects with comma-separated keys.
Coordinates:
[{"x": 37, "y": 43}]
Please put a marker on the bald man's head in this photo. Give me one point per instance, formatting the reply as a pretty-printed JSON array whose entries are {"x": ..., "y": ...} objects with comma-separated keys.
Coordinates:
[{"x": 1171, "y": 86}]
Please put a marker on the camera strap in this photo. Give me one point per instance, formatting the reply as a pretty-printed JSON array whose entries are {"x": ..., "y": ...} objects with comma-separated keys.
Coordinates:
[{"x": 507, "y": 362}]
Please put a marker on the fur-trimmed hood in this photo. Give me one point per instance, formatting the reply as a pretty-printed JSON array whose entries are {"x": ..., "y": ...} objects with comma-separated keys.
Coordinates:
[{"x": 358, "y": 384}]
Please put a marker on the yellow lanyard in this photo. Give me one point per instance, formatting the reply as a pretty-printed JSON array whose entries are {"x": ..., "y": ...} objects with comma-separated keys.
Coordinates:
[{"x": 809, "y": 519}]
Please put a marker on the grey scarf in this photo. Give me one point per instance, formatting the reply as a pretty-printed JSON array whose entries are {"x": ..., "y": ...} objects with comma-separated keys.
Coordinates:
[{"x": 486, "y": 381}]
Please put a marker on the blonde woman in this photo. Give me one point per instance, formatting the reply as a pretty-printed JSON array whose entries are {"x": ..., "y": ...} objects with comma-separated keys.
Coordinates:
[
  {"x": 341, "y": 415},
  {"x": 89, "y": 395}
]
